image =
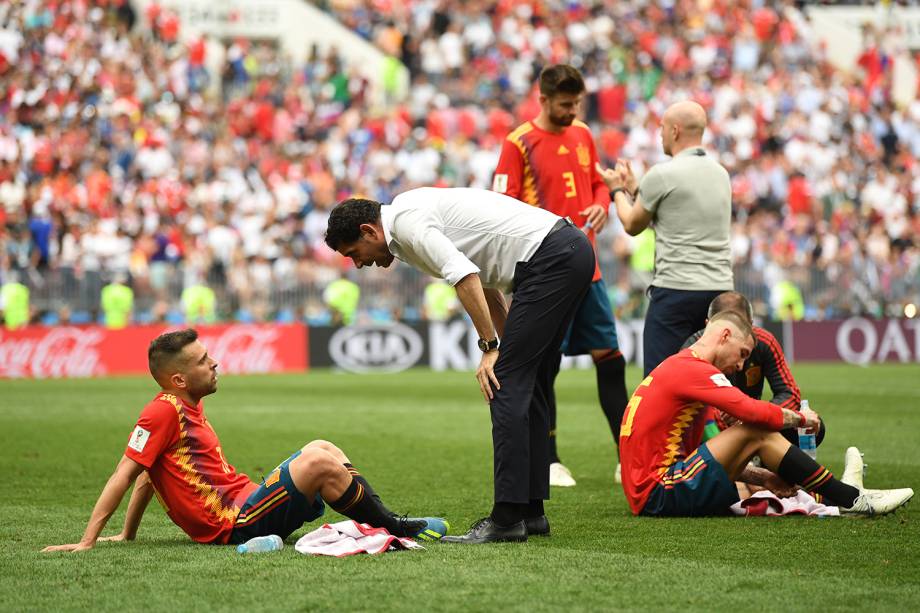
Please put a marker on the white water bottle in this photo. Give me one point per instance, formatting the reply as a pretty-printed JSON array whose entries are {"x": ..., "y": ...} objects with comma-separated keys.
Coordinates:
[
  {"x": 807, "y": 440},
  {"x": 261, "y": 544}
]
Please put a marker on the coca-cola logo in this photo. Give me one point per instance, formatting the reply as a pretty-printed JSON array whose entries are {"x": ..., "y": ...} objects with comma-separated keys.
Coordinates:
[
  {"x": 376, "y": 348},
  {"x": 244, "y": 349},
  {"x": 62, "y": 352}
]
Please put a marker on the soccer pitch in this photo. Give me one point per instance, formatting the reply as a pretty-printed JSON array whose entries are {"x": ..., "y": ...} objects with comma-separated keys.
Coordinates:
[{"x": 423, "y": 439}]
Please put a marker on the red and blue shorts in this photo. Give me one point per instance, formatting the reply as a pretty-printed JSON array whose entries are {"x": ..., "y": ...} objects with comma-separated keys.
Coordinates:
[
  {"x": 696, "y": 487},
  {"x": 276, "y": 507}
]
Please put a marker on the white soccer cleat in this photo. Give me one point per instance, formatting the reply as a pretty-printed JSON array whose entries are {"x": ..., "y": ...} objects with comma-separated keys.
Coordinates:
[
  {"x": 879, "y": 502},
  {"x": 560, "y": 476},
  {"x": 618, "y": 476},
  {"x": 853, "y": 468}
]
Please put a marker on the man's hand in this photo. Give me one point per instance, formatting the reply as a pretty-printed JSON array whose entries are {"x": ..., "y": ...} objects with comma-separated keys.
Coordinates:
[
  {"x": 728, "y": 420},
  {"x": 73, "y": 547},
  {"x": 597, "y": 217},
  {"x": 611, "y": 177},
  {"x": 812, "y": 421},
  {"x": 627, "y": 178},
  {"x": 115, "y": 538},
  {"x": 793, "y": 419},
  {"x": 779, "y": 487},
  {"x": 486, "y": 375}
]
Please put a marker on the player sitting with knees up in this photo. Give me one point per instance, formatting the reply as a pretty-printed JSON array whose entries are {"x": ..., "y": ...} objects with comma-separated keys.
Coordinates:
[
  {"x": 174, "y": 452},
  {"x": 766, "y": 363},
  {"x": 668, "y": 471}
]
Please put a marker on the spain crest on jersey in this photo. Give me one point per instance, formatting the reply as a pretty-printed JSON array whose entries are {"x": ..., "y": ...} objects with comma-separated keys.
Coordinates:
[{"x": 584, "y": 156}]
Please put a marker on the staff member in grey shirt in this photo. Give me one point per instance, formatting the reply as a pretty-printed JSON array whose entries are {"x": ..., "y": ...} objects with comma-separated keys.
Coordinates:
[
  {"x": 484, "y": 243},
  {"x": 688, "y": 201}
]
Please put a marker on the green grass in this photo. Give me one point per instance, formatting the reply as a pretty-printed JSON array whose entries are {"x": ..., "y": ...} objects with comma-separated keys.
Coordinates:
[{"x": 424, "y": 440}]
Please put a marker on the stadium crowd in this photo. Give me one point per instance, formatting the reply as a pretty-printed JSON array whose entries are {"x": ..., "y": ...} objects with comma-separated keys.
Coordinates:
[{"x": 125, "y": 148}]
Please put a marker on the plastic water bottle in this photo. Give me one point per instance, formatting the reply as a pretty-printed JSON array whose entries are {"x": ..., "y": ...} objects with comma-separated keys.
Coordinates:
[
  {"x": 261, "y": 544},
  {"x": 807, "y": 441}
]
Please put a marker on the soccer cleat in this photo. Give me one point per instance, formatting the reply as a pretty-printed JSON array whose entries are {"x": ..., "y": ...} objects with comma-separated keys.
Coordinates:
[
  {"x": 853, "y": 468},
  {"x": 618, "y": 475},
  {"x": 560, "y": 476},
  {"x": 878, "y": 502},
  {"x": 426, "y": 528}
]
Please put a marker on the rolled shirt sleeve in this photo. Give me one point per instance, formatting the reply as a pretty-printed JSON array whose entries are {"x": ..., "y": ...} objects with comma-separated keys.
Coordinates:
[
  {"x": 443, "y": 256},
  {"x": 431, "y": 250}
]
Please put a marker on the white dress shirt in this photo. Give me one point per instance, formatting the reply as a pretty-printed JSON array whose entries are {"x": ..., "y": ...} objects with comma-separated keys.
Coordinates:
[{"x": 451, "y": 233}]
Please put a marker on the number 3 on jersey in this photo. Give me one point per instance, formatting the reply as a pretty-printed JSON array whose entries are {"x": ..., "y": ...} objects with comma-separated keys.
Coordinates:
[
  {"x": 632, "y": 407},
  {"x": 569, "y": 178}
]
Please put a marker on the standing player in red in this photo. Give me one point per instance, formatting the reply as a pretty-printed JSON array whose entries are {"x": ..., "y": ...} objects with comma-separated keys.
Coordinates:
[
  {"x": 668, "y": 471},
  {"x": 174, "y": 453},
  {"x": 550, "y": 162}
]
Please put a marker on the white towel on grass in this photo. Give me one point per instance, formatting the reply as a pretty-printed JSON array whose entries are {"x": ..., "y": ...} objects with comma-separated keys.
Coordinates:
[
  {"x": 766, "y": 503},
  {"x": 347, "y": 538}
]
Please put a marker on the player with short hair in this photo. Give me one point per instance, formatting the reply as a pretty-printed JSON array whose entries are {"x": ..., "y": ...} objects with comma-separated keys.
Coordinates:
[
  {"x": 667, "y": 471},
  {"x": 174, "y": 453},
  {"x": 766, "y": 363},
  {"x": 551, "y": 162}
]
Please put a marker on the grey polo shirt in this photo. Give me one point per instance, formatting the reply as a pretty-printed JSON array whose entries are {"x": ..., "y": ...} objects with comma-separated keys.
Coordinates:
[{"x": 690, "y": 199}]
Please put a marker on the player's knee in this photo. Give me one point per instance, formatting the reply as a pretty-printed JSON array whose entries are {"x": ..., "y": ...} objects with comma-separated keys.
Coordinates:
[
  {"x": 318, "y": 461},
  {"x": 324, "y": 445}
]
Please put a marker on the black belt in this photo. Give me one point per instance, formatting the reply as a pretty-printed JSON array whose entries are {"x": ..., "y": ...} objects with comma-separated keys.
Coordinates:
[{"x": 563, "y": 222}]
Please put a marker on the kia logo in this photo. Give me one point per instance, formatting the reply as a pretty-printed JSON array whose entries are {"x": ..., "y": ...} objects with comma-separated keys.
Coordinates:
[{"x": 370, "y": 348}]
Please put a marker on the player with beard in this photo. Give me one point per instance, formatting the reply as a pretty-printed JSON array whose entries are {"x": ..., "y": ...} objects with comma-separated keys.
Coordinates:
[
  {"x": 550, "y": 162},
  {"x": 669, "y": 471},
  {"x": 174, "y": 452}
]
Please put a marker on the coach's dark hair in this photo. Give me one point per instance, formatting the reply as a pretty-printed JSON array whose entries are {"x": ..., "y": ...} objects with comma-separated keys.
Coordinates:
[
  {"x": 561, "y": 79},
  {"x": 737, "y": 319},
  {"x": 731, "y": 301},
  {"x": 346, "y": 218},
  {"x": 164, "y": 349}
]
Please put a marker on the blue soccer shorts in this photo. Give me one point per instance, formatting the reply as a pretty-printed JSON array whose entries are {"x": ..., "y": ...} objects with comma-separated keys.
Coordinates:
[
  {"x": 696, "y": 487},
  {"x": 593, "y": 326},
  {"x": 276, "y": 507}
]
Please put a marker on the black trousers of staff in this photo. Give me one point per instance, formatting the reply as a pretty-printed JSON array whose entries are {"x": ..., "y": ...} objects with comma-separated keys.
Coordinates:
[{"x": 547, "y": 291}]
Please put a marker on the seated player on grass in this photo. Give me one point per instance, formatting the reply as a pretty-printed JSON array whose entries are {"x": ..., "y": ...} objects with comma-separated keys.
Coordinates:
[
  {"x": 667, "y": 469},
  {"x": 765, "y": 364},
  {"x": 175, "y": 453}
]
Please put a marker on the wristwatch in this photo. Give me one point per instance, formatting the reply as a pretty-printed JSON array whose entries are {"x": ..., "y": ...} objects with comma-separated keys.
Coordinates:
[
  {"x": 486, "y": 346},
  {"x": 616, "y": 190}
]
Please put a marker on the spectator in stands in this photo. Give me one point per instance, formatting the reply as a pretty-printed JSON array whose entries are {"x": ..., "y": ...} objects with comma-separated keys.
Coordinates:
[
  {"x": 86, "y": 101},
  {"x": 14, "y": 302},
  {"x": 441, "y": 302},
  {"x": 342, "y": 297},
  {"x": 200, "y": 304},
  {"x": 117, "y": 302}
]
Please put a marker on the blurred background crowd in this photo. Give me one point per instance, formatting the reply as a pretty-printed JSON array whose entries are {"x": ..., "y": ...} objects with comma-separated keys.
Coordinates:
[{"x": 199, "y": 173}]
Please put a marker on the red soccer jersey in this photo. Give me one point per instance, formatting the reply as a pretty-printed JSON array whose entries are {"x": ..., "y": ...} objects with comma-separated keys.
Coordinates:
[
  {"x": 554, "y": 171},
  {"x": 200, "y": 492},
  {"x": 665, "y": 417}
]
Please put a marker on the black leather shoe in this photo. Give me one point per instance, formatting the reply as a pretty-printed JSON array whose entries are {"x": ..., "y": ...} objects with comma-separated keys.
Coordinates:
[
  {"x": 537, "y": 526},
  {"x": 487, "y": 531}
]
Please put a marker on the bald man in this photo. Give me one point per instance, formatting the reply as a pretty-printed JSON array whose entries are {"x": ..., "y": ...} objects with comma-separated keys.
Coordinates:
[{"x": 687, "y": 200}]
